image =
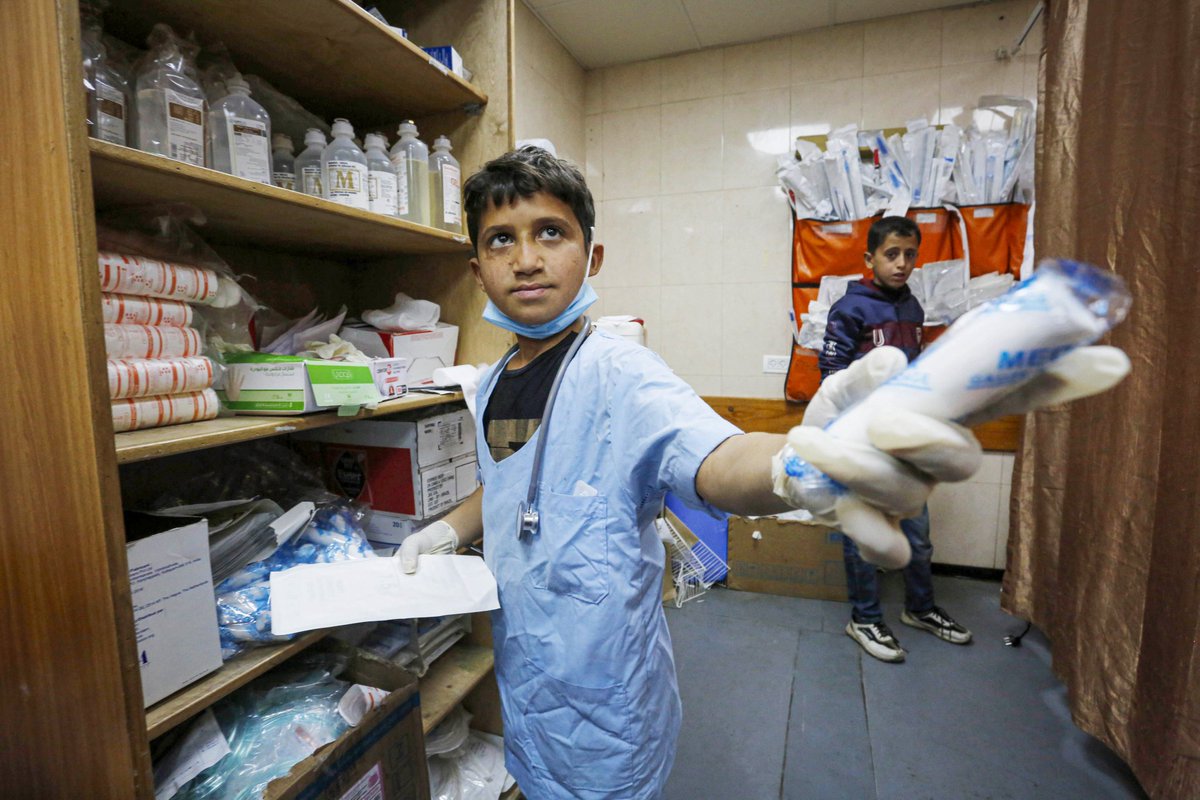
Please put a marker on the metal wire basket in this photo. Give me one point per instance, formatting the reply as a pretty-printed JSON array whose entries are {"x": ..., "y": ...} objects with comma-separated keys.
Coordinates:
[{"x": 694, "y": 566}]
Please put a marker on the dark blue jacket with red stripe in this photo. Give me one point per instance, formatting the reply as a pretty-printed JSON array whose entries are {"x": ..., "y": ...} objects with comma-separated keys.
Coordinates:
[{"x": 868, "y": 317}]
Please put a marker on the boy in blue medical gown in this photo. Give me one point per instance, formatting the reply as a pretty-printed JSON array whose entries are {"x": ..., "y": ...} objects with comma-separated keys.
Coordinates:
[{"x": 583, "y": 657}]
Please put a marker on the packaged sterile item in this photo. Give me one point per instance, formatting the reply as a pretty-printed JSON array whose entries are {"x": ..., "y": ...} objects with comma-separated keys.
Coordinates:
[
  {"x": 410, "y": 157},
  {"x": 308, "y": 164},
  {"x": 445, "y": 187},
  {"x": 136, "y": 413},
  {"x": 108, "y": 94},
  {"x": 381, "y": 176},
  {"x": 125, "y": 309},
  {"x": 149, "y": 277},
  {"x": 989, "y": 352},
  {"x": 344, "y": 168},
  {"x": 240, "y": 134},
  {"x": 171, "y": 107},
  {"x": 142, "y": 377},
  {"x": 151, "y": 341},
  {"x": 283, "y": 162}
]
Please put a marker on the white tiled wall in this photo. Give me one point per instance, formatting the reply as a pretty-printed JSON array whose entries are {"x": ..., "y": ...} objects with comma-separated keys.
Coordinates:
[
  {"x": 549, "y": 89},
  {"x": 969, "y": 520},
  {"x": 681, "y": 158}
]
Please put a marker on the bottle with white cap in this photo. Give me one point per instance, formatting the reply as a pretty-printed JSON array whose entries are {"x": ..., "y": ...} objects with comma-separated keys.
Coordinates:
[
  {"x": 239, "y": 133},
  {"x": 410, "y": 157},
  {"x": 171, "y": 110},
  {"x": 344, "y": 168},
  {"x": 381, "y": 176},
  {"x": 445, "y": 187},
  {"x": 283, "y": 163},
  {"x": 308, "y": 163},
  {"x": 109, "y": 102}
]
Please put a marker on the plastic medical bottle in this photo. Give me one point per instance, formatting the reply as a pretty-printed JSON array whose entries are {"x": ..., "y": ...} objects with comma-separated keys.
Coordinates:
[
  {"x": 171, "y": 111},
  {"x": 309, "y": 178},
  {"x": 283, "y": 163},
  {"x": 344, "y": 168},
  {"x": 109, "y": 101},
  {"x": 381, "y": 176},
  {"x": 445, "y": 188},
  {"x": 239, "y": 134},
  {"x": 410, "y": 157}
]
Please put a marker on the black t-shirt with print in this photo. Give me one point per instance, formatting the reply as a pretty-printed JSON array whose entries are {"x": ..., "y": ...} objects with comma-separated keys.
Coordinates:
[{"x": 515, "y": 408}]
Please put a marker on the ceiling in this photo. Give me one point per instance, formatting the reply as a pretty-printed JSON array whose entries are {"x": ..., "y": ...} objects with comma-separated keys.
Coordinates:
[{"x": 601, "y": 33}]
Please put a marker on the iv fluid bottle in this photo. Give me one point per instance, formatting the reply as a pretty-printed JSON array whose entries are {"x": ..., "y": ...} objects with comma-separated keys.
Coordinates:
[
  {"x": 109, "y": 103},
  {"x": 381, "y": 176},
  {"x": 309, "y": 178},
  {"x": 410, "y": 157},
  {"x": 283, "y": 163},
  {"x": 171, "y": 111},
  {"x": 344, "y": 168},
  {"x": 445, "y": 188},
  {"x": 239, "y": 134}
]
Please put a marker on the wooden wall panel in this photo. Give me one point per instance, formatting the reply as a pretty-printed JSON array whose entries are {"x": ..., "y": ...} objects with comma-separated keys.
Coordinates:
[{"x": 71, "y": 722}]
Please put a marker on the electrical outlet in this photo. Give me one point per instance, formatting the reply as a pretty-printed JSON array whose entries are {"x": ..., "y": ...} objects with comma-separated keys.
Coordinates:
[{"x": 775, "y": 364}]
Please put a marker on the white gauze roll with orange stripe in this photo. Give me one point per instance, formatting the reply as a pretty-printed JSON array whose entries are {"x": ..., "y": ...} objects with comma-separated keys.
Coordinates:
[
  {"x": 151, "y": 341},
  {"x": 127, "y": 309},
  {"x": 149, "y": 277},
  {"x": 142, "y": 377},
  {"x": 152, "y": 412}
]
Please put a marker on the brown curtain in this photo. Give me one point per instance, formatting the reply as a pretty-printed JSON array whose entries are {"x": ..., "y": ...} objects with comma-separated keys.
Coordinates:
[{"x": 1104, "y": 551}]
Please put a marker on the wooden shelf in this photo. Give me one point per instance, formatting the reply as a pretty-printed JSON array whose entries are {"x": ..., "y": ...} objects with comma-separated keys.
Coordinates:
[
  {"x": 173, "y": 439},
  {"x": 330, "y": 55},
  {"x": 450, "y": 679},
  {"x": 512, "y": 794},
  {"x": 246, "y": 212},
  {"x": 237, "y": 672}
]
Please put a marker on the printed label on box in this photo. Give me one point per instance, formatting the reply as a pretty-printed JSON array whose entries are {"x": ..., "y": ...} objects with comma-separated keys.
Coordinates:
[{"x": 368, "y": 787}]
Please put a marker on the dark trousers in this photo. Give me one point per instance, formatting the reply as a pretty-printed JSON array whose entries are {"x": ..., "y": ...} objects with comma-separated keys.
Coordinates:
[{"x": 862, "y": 579}]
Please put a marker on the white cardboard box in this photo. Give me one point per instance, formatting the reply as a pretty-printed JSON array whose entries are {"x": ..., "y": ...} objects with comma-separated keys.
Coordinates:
[
  {"x": 261, "y": 383},
  {"x": 425, "y": 350},
  {"x": 174, "y": 610},
  {"x": 442, "y": 487},
  {"x": 411, "y": 469}
]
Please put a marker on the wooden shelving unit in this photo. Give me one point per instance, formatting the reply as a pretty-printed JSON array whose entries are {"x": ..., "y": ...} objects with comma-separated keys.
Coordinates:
[
  {"x": 235, "y": 673},
  {"x": 174, "y": 439},
  {"x": 330, "y": 55},
  {"x": 450, "y": 679},
  {"x": 239, "y": 210}
]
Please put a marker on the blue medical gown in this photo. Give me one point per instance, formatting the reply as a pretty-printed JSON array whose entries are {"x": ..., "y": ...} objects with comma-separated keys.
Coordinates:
[{"x": 583, "y": 656}]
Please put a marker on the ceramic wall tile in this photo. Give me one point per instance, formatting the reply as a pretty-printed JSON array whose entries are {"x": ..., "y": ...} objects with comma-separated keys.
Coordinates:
[
  {"x": 977, "y": 32},
  {"x": 902, "y": 44},
  {"x": 638, "y": 301},
  {"x": 703, "y": 385},
  {"x": 631, "y": 153},
  {"x": 756, "y": 315},
  {"x": 691, "y": 147},
  {"x": 961, "y": 86},
  {"x": 757, "y": 236},
  {"x": 963, "y": 519},
  {"x": 632, "y": 237},
  {"x": 693, "y": 75},
  {"x": 818, "y": 108},
  {"x": 690, "y": 329},
  {"x": 827, "y": 54},
  {"x": 692, "y": 239},
  {"x": 633, "y": 85},
  {"x": 757, "y": 131},
  {"x": 767, "y": 387},
  {"x": 889, "y": 101},
  {"x": 593, "y": 127},
  {"x": 593, "y": 91},
  {"x": 757, "y": 66}
]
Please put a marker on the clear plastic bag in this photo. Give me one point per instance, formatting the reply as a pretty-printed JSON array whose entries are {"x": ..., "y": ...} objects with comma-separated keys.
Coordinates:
[{"x": 473, "y": 771}]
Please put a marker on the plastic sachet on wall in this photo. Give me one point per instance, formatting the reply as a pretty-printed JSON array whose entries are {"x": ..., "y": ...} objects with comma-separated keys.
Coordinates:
[
  {"x": 813, "y": 323},
  {"x": 941, "y": 289}
]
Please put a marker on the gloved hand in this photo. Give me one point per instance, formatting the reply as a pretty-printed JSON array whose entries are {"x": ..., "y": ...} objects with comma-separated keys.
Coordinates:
[
  {"x": 438, "y": 537},
  {"x": 891, "y": 478}
]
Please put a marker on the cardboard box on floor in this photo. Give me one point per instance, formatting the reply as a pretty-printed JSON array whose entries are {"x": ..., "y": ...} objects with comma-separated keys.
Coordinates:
[
  {"x": 382, "y": 757},
  {"x": 793, "y": 558}
]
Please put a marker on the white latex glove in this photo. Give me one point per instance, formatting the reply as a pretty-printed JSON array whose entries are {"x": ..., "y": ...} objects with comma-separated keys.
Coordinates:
[
  {"x": 910, "y": 453},
  {"x": 439, "y": 537}
]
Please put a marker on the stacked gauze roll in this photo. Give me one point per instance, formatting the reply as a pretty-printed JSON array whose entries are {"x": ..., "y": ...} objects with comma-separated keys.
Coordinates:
[{"x": 156, "y": 375}]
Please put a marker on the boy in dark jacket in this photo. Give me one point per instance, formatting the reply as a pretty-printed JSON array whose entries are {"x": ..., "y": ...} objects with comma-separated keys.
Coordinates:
[{"x": 876, "y": 311}]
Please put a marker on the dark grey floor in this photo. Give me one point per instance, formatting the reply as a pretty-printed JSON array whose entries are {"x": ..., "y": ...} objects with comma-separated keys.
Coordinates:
[{"x": 779, "y": 703}]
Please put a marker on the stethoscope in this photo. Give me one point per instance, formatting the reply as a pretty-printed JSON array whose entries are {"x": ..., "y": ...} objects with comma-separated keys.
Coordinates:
[{"x": 528, "y": 520}]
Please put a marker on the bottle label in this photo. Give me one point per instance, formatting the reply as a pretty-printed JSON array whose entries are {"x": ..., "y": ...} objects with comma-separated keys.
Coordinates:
[
  {"x": 312, "y": 181},
  {"x": 285, "y": 180},
  {"x": 346, "y": 183},
  {"x": 381, "y": 191},
  {"x": 110, "y": 113},
  {"x": 249, "y": 149},
  {"x": 185, "y": 128},
  {"x": 401, "y": 166},
  {"x": 451, "y": 194}
]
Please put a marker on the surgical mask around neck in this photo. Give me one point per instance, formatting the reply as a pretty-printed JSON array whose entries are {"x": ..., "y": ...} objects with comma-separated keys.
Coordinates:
[{"x": 583, "y": 300}]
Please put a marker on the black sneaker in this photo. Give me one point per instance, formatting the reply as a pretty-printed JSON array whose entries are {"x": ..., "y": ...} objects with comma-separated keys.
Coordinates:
[
  {"x": 939, "y": 623},
  {"x": 877, "y": 639}
]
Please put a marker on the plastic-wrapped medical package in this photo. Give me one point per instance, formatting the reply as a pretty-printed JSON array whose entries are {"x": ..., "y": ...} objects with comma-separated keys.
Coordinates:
[
  {"x": 149, "y": 277},
  {"x": 151, "y": 341},
  {"x": 465, "y": 764},
  {"x": 136, "y": 413},
  {"x": 141, "y": 377},
  {"x": 271, "y": 725},
  {"x": 125, "y": 309},
  {"x": 989, "y": 352},
  {"x": 244, "y": 598}
]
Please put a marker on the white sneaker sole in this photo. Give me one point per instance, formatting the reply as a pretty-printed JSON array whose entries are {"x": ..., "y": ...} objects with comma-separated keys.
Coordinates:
[
  {"x": 953, "y": 637},
  {"x": 873, "y": 649}
]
